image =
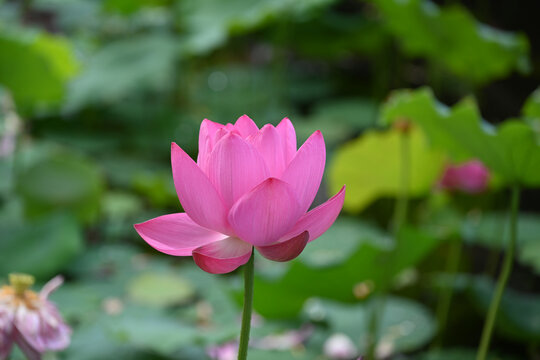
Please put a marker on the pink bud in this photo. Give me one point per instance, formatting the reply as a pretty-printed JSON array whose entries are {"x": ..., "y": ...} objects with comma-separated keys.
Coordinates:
[{"x": 470, "y": 177}]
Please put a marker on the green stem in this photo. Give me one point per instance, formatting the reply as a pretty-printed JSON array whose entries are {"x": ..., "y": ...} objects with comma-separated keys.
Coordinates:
[
  {"x": 443, "y": 308},
  {"x": 503, "y": 278},
  {"x": 248, "y": 307},
  {"x": 402, "y": 204},
  {"x": 376, "y": 313},
  {"x": 400, "y": 218}
]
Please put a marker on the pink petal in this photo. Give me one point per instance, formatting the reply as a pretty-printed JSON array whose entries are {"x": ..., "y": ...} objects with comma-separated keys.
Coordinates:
[
  {"x": 271, "y": 146},
  {"x": 29, "y": 351},
  {"x": 286, "y": 130},
  {"x": 6, "y": 335},
  {"x": 235, "y": 167},
  {"x": 266, "y": 213},
  {"x": 27, "y": 324},
  {"x": 318, "y": 220},
  {"x": 198, "y": 196},
  {"x": 306, "y": 170},
  {"x": 51, "y": 286},
  {"x": 285, "y": 250},
  {"x": 222, "y": 256},
  {"x": 175, "y": 234},
  {"x": 245, "y": 126},
  {"x": 54, "y": 333},
  {"x": 207, "y": 140}
]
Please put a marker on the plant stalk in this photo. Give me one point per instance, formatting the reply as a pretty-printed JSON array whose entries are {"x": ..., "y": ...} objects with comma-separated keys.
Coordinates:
[
  {"x": 248, "y": 307},
  {"x": 503, "y": 278},
  {"x": 445, "y": 300},
  {"x": 402, "y": 204},
  {"x": 399, "y": 219}
]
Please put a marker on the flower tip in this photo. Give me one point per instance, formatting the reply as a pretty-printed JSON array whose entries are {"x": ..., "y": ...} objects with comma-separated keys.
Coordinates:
[
  {"x": 318, "y": 134},
  {"x": 139, "y": 229},
  {"x": 341, "y": 192},
  {"x": 285, "y": 122},
  {"x": 272, "y": 180}
]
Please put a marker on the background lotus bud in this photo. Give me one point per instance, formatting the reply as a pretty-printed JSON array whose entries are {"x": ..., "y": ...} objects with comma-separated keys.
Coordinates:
[{"x": 471, "y": 177}]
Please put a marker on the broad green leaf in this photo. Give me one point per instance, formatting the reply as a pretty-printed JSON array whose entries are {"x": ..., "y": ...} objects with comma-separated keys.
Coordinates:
[
  {"x": 455, "y": 354},
  {"x": 371, "y": 167},
  {"x": 210, "y": 22},
  {"x": 80, "y": 302},
  {"x": 531, "y": 108},
  {"x": 35, "y": 66},
  {"x": 107, "y": 261},
  {"x": 519, "y": 313},
  {"x": 493, "y": 229},
  {"x": 337, "y": 244},
  {"x": 531, "y": 111},
  {"x": 405, "y": 324},
  {"x": 42, "y": 247},
  {"x": 119, "y": 70},
  {"x": 160, "y": 289},
  {"x": 62, "y": 181},
  {"x": 129, "y": 333},
  {"x": 511, "y": 149},
  {"x": 284, "y": 297},
  {"x": 257, "y": 354},
  {"x": 452, "y": 37},
  {"x": 127, "y": 7}
]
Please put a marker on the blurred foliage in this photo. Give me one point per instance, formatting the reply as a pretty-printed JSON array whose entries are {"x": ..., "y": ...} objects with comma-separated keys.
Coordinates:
[
  {"x": 405, "y": 325},
  {"x": 377, "y": 173},
  {"x": 92, "y": 93},
  {"x": 511, "y": 150},
  {"x": 451, "y": 37},
  {"x": 35, "y": 66}
]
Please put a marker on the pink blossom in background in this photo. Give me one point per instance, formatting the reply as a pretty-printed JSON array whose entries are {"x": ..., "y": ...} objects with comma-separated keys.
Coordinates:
[
  {"x": 249, "y": 187},
  {"x": 30, "y": 320},
  {"x": 340, "y": 347},
  {"x": 288, "y": 340},
  {"x": 470, "y": 177},
  {"x": 228, "y": 351}
]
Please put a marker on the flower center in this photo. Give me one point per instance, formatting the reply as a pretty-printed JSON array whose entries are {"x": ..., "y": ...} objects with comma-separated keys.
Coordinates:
[{"x": 21, "y": 283}]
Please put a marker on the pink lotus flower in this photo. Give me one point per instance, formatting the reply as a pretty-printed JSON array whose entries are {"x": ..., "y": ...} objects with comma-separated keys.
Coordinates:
[
  {"x": 470, "y": 177},
  {"x": 30, "y": 320},
  {"x": 249, "y": 187}
]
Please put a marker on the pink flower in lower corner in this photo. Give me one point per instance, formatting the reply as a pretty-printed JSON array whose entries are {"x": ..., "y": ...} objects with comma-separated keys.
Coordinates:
[
  {"x": 30, "y": 320},
  {"x": 471, "y": 177},
  {"x": 250, "y": 187}
]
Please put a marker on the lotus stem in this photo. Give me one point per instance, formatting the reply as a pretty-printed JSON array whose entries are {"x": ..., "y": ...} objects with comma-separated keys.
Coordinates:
[
  {"x": 503, "y": 278},
  {"x": 399, "y": 219},
  {"x": 402, "y": 204},
  {"x": 248, "y": 308},
  {"x": 445, "y": 300}
]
